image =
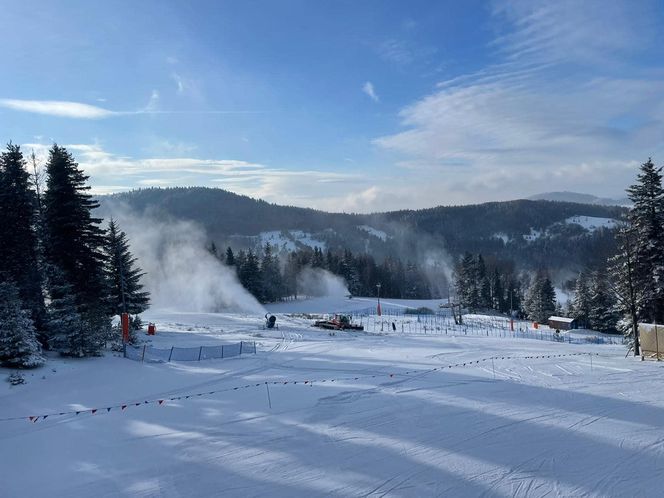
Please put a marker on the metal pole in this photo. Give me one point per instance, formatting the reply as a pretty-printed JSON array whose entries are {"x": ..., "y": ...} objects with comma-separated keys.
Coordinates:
[{"x": 269, "y": 400}]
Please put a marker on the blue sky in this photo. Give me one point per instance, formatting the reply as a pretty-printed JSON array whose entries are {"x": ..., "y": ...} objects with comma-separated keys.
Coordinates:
[{"x": 354, "y": 106}]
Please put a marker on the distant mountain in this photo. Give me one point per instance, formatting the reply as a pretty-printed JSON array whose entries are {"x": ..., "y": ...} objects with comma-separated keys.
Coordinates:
[
  {"x": 580, "y": 198},
  {"x": 533, "y": 233}
]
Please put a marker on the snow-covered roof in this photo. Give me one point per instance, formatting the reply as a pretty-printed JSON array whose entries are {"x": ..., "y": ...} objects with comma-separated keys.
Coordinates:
[{"x": 562, "y": 319}]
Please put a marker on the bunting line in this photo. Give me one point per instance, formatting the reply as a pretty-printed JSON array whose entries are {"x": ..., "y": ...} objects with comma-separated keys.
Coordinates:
[{"x": 162, "y": 401}]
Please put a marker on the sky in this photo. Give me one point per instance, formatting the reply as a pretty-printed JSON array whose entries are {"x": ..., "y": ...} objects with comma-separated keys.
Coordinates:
[{"x": 355, "y": 106}]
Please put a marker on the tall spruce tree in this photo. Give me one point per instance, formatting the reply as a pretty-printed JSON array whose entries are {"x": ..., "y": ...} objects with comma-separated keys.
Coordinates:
[
  {"x": 647, "y": 220},
  {"x": 127, "y": 294},
  {"x": 270, "y": 274},
  {"x": 18, "y": 240},
  {"x": 230, "y": 257},
  {"x": 626, "y": 285},
  {"x": 74, "y": 242},
  {"x": 67, "y": 332},
  {"x": 540, "y": 301},
  {"x": 18, "y": 341},
  {"x": 250, "y": 274},
  {"x": 483, "y": 284},
  {"x": 581, "y": 305},
  {"x": 602, "y": 315}
]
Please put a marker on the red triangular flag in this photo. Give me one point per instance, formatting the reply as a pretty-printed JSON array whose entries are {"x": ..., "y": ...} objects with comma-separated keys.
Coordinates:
[
  {"x": 161, "y": 401},
  {"x": 108, "y": 409},
  {"x": 123, "y": 406},
  {"x": 33, "y": 419},
  {"x": 93, "y": 411}
]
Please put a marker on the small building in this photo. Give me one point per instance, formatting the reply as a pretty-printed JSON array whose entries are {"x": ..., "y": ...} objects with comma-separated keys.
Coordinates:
[{"x": 562, "y": 323}]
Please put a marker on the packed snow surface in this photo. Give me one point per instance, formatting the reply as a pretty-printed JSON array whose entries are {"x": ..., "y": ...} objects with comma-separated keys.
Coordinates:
[
  {"x": 592, "y": 223},
  {"x": 368, "y": 416},
  {"x": 288, "y": 240},
  {"x": 374, "y": 231}
]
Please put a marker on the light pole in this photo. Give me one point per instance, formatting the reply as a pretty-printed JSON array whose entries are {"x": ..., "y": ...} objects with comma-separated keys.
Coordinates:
[
  {"x": 378, "y": 311},
  {"x": 511, "y": 310}
]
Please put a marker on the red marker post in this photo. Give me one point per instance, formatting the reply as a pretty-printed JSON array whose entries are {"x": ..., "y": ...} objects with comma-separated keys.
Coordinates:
[{"x": 124, "y": 318}]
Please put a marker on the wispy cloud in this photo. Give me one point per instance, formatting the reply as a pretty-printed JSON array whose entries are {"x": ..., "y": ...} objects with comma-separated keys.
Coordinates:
[
  {"x": 79, "y": 110},
  {"x": 59, "y": 108},
  {"x": 113, "y": 173},
  {"x": 368, "y": 88},
  {"x": 541, "y": 118},
  {"x": 403, "y": 52}
]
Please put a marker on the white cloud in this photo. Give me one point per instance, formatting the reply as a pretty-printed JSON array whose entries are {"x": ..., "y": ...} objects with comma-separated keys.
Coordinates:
[
  {"x": 533, "y": 122},
  {"x": 368, "y": 88},
  {"x": 57, "y": 108}
]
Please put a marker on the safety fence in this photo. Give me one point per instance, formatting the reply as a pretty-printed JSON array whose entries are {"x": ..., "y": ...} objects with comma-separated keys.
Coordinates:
[
  {"x": 151, "y": 354},
  {"x": 481, "y": 326},
  {"x": 293, "y": 382}
]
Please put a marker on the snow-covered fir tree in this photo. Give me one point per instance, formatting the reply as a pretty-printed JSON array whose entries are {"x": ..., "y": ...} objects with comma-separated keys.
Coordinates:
[
  {"x": 18, "y": 342},
  {"x": 581, "y": 304},
  {"x": 647, "y": 220},
  {"x": 270, "y": 276},
  {"x": 603, "y": 315},
  {"x": 74, "y": 245},
  {"x": 625, "y": 283},
  {"x": 540, "y": 302},
  {"x": 68, "y": 334},
  {"x": 127, "y": 294},
  {"x": 18, "y": 238}
]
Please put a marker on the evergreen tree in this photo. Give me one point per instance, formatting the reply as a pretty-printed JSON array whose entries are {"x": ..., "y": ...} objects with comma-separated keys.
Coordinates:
[
  {"x": 602, "y": 316},
  {"x": 270, "y": 276},
  {"x": 18, "y": 342},
  {"x": 68, "y": 333},
  {"x": 483, "y": 284},
  {"x": 127, "y": 294},
  {"x": 18, "y": 240},
  {"x": 497, "y": 292},
  {"x": 250, "y": 275},
  {"x": 318, "y": 261},
  {"x": 230, "y": 257},
  {"x": 625, "y": 283},
  {"x": 540, "y": 301},
  {"x": 582, "y": 304},
  {"x": 74, "y": 243},
  {"x": 647, "y": 220}
]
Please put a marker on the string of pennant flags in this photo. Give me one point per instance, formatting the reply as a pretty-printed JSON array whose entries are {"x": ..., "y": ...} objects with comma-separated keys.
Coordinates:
[{"x": 161, "y": 401}]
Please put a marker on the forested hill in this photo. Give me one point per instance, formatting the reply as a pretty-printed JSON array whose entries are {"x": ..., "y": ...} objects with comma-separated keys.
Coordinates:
[{"x": 533, "y": 233}]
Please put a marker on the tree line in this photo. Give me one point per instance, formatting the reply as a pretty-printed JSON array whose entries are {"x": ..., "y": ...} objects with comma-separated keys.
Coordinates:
[
  {"x": 62, "y": 275},
  {"x": 614, "y": 295},
  {"x": 271, "y": 277}
]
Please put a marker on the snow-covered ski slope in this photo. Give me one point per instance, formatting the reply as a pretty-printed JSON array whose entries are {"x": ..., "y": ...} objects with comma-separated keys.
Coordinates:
[{"x": 370, "y": 415}]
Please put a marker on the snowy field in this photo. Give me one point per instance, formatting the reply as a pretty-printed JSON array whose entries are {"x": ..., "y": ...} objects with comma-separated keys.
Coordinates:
[{"x": 351, "y": 414}]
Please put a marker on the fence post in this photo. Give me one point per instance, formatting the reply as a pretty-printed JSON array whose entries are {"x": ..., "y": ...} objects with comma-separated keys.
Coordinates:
[
  {"x": 200, "y": 352},
  {"x": 222, "y": 352},
  {"x": 143, "y": 356},
  {"x": 254, "y": 347},
  {"x": 241, "y": 347},
  {"x": 170, "y": 354}
]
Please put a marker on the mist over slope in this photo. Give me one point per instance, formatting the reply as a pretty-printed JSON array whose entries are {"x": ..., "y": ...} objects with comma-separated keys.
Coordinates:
[
  {"x": 577, "y": 197},
  {"x": 533, "y": 233}
]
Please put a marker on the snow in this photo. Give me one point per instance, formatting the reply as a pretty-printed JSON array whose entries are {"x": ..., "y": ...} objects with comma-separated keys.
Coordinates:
[
  {"x": 373, "y": 231},
  {"x": 341, "y": 305},
  {"x": 513, "y": 425},
  {"x": 502, "y": 236},
  {"x": 288, "y": 240},
  {"x": 533, "y": 235},
  {"x": 592, "y": 223}
]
